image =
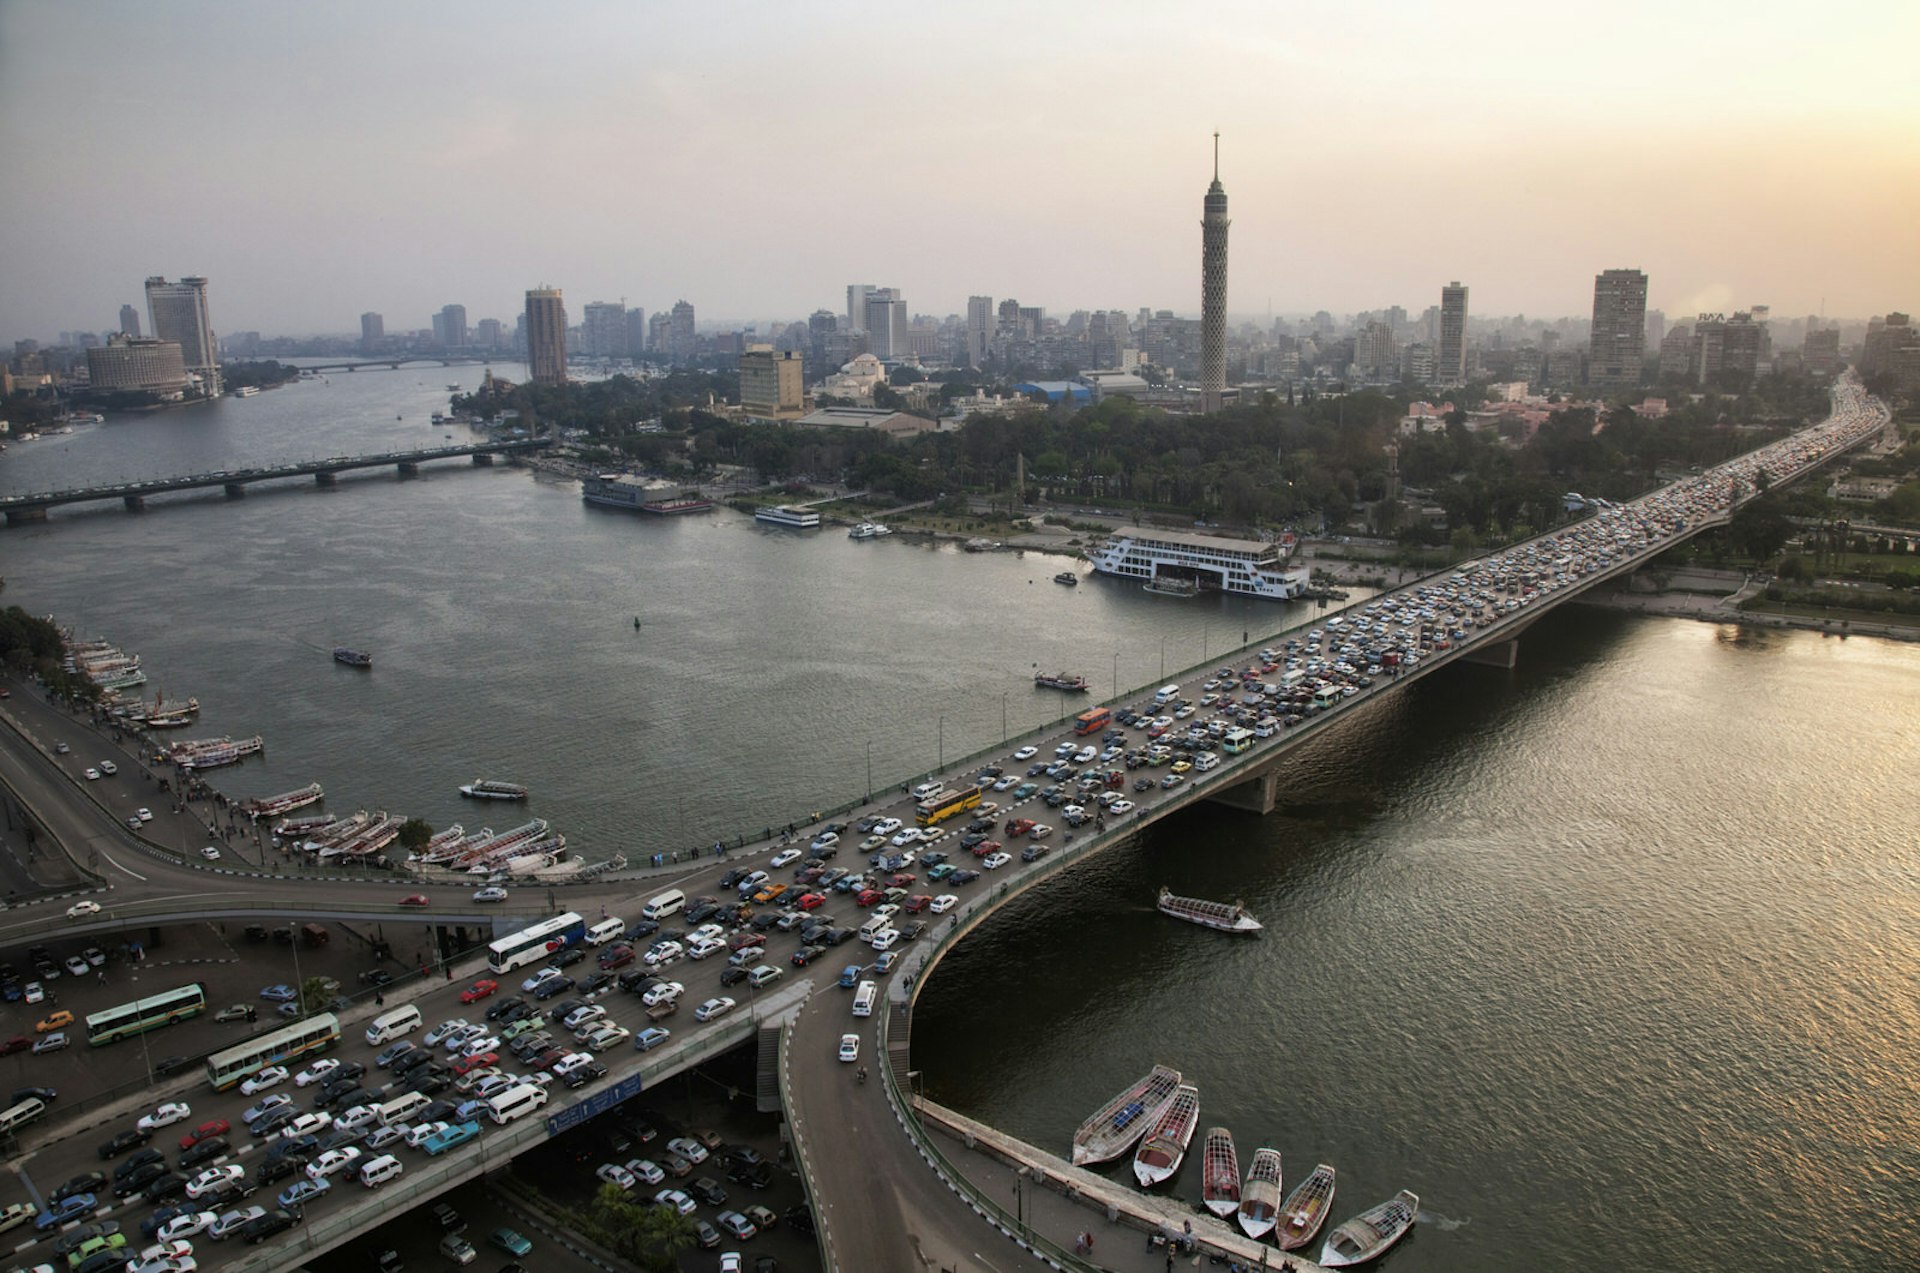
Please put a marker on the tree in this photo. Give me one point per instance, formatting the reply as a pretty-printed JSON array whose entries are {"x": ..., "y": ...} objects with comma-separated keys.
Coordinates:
[
  {"x": 415, "y": 832},
  {"x": 650, "y": 1235},
  {"x": 1759, "y": 529},
  {"x": 315, "y": 993}
]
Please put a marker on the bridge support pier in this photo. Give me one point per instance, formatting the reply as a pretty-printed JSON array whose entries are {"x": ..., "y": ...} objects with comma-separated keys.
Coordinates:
[
  {"x": 1257, "y": 794},
  {"x": 134, "y": 503},
  {"x": 1505, "y": 654},
  {"x": 326, "y": 479},
  {"x": 21, "y": 516},
  {"x": 483, "y": 458},
  {"x": 235, "y": 490},
  {"x": 408, "y": 470}
]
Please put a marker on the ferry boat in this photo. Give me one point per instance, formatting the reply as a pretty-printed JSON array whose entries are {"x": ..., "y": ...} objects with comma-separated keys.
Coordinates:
[
  {"x": 1246, "y": 567},
  {"x": 488, "y": 789},
  {"x": 246, "y": 391},
  {"x": 1219, "y": 1172},
  {"x": 1068, "y": 578},
  {"x": 1260, "y": 1195},
  {"x": 352, "y": 658},
  {"x": 299, "y": 828},
  {"x": 1371, "y": 1232},
  {"x": 869, "y": 530},
  {"x": 285, "y": 802},
  {"x": 673, "y": 506},
  {"x": 227, "y": 753},
  {"x": 1063, "y": 681},
  {"x": 1116, "y": 1125},
  {"x": 1171, "y": 586},
  {"x": 788, "y": 515},
  {"x": 624, "y": 490},
  {"x": 1222, "y": 916},
  {"x": 1305, "y": 1209},
  {"x": 1165, "y": 1146}
]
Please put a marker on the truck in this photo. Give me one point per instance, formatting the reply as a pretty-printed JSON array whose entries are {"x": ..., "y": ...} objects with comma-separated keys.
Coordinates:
[
  {"x": 665, "y": 1008},
  {"x": 314, "y": 935}
]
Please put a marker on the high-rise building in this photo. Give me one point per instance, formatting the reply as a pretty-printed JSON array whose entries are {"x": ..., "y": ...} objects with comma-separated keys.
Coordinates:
[
  {"x": 1619, "y": 329},
  {"x": 682, "y": 338},
  {"x": 1452, "y": 366},
  {"x": 1656, "y": 330},
  {"x": 1213, "y": 290},
  {"x": 178, "y": 312},
  {"x": 1822, "y": 352},
  {"x": 488, "y": 333},
  {"x": 603, "y": 329},
  {"x": 886, "y": 324},
  {"x": 636, "y": 332},
  {"x": 373, "y": 332},
  {"x": 128, "y": 362},
  {"x": 979, "y": 328},
  {"x": 130, "y": 321},
  {"x": 772, "y": 383},
  {"x": 451, "y": 326},
  {"x": 546, "y": 336},
  {"x": 857, "y": 306},
  {"x": 1373, "y": 354}
]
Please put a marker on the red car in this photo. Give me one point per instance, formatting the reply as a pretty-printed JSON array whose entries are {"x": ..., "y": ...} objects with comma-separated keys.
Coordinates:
[
  {"x": 917, "y": 903},
  {"x": 479, "y": 990},
  {"x": 808, "y": 901},
  {"x": 986, "y": 847},
  {"x": 901, "y": 880},
  {"x": 466, "y": 1063},
  {"x": 18, "y": 1043},
  {"x": 742, "y": 941},
  {"x": 213, "y": 1127},
  {"x": 416, "y": 899},
  {"x": 617, "y": 957},
  {"x": 868, "y": 896}
]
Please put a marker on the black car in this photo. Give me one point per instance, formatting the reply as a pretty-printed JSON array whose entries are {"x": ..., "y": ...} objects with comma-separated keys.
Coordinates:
[
  {"x": 260, "y": 1228},
  {"x": 913, "y": 930},
  {"x": 438, "y": 1112},
  {"x": 295, "y": 1147},
  {"x": 734, "y": 876},
  {"x": 429, "y": 1082},
  {"x": 765, "y": 920},
  {"x": 635, "y": 979},
  {"x": 103, "y": 1262},
  {"x": 707, "y": 1190},
  {"x": 837, "y": 936},
  {"x": 137, "y": 1161},
  {"x": 85, "y": 1182},
  {"x": 567, "y": 958},
  {"x": 170, "y": 1065},
  {"x": 278, "y": 1168},
  {"x": 256, "y": 933},
  {"x": 202, "y": 1150},
  {"x": 351, "y": 1070},
  {"x": 935, "y": 858},
  {"x": 807, "y": 954},
  {"x": 407, "y": 1062},
  {"x": 800, "y": 1218},
  {"x": 123, "y": 1141},
  {"x": 585, "y": 1074},
  {"x": 74, "y": 1239},
  {"x": 151, "y": 1226},
  {"x": 641, "y": 928},
  {"x": 553, "y": 986},
  {"x": 376, "y": 977},
  {"x": 965, "y": 876},
  {"x": 345, "y": 1096},
  {"x": 499, "y": 1010},
  {"x": 702, "y": 913},
  {"x": 338, "y": 1139},
  {"x": 732, "y": 976},
  {"x": 139, "y": 1178},
  {"x": 599, "y": 981},
  {"x": 170, "y": 1185},
  {"x": 566, "y": 1007},
  {"x": 753, "y": 1175},
  {"x": 33, "y": 1094}
]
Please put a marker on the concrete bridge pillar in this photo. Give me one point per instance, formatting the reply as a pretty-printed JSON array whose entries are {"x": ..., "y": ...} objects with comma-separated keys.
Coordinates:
[
  {"x": 21, "y": 516},
  {"x": 483, "y": 458},
  {"x": 134, "y": 503},
  {"x": 326, "y": 478},
  {"x": 408, "y": 469},
  {"x": 1257, "y": 794},
  {"x": 235, "y": 490},
  {"x": 1504, "y": 654}
]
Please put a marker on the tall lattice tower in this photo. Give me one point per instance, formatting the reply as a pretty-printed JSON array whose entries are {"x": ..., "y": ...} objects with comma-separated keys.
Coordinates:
[{"x": 1213, "y": 291}]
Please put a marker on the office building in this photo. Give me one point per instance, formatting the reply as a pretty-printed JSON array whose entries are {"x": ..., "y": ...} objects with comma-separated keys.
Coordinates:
[
  {"x": 488, "y": 334},
  {"x": 373, "y": 331},
  {"x": 886, "y": 324},
  {"x": 772, "y": 383},
  {"x": 682, "y": 340},
  {"x": 1452, "y": 366},
  {"x": 1373, "y": 353},
  {"x": 178, "y": 312},
  {"x": 149, "y": 366},
  {"x": 1213, "y": 290},
  {"x": 1618, "y": 346},
  {"x": 603, "y": 330},
  {"x": 636, "y": 332},
  {"x": 129, "y": 321},
  {"x": 546, "y": 336},
  {"x": 1822, "y": 352},
  {"x": 979, "y": 329},
  {"x": 450, "y": 326},
  {"x": 857, "y": 306}
]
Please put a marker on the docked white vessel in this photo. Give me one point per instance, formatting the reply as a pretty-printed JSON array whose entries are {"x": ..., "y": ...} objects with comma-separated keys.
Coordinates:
[
  {"x": 1260, "y": 1195},
  {"x": 1116, "y": 1125},
  {"x": 788, "y": 515},
  {"x": 869, "y": 530},
  {"x": 1247, "y": 567},
  {"x": 1371, "y": 1232},
  {"x": 489, "y": 789},
  {"x": 1165, "y": 1147}
]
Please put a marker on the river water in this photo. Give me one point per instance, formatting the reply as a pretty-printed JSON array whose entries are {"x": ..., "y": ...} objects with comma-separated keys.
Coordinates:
[{"x": 1612, "y": 958}]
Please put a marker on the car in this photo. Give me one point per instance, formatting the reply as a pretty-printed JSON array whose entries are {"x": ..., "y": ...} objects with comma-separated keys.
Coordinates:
[
  {"x": 994, "y": 861},
  {"x": 345, "y": 1158},
  {"x": 85, "y": 1182},
  {"x": 164, "y": 1115},
  {"x": 646, "y": 1171},
  {"x": 301, "y": 1192},
  {"x": 454, "y": 1042},
  {"x": 458, "y": 1249},
  {"x": 229, "y": 1222},
  {"x": 615, "y": 957},
  {"x": 215, "y": 1179},
  {"x": 83, "y": 908},
  {"x": 76, "y": 966},
  {"x": 59, "y": 1211},
  {"x": 54, "y": 1042},
  {"x": 886, "y": 826},
  {"x": 307, "y": 1125},
  {"x": 187, "y": 1224},
  {"x": 274, "y": 1119},
  {"x": 236, "y": 1012},
  {"x": 206, "y": 1131},
  {"x": 139, "y": 1177},
  {"x": 849, "y": 1047},
  {"x": 414, "y": 899},
  {"x": 761, "y": 1216},
  {"x": 279, "y": 994},
  {"x": 477, "y": 1060},
  {"x": 34, "y": 992},
  {"x": 121, "y": 1142},
  {"x": 552, "y": 986},
  {"x": 708, "y": 1191},
  {"x": 615, "y": 1174},
  {"x": 688, "y": 1148},
  {"x": 211, "y": 853},
  {"x": 491, "y": 893},
  {"x": 479, "y": 990},
  {"x": 943, "y": 903},
  {"x": 260, "y": 1109},
  {"x": 445, "y": 1030},
  {"x": 787, "y": 856},
  {"x": 661, "y": 993},
  {"x": 676, "y": 1199},
  {"x": 510, "y": 1241},
  {"x": 93, "y": 775},
  {"x": 322, "y": 1070},
  {"x": 271, "y": 1076},
  {"x": 737, "y": 1224},
  {"x": 108, "y": 768},
  {"x": 650, "y": 1038},
  {"x": 58, "y": 1020}
]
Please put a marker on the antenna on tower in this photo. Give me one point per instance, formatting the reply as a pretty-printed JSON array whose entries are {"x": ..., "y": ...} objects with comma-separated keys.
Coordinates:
[{"x": 1216, "y": 154}]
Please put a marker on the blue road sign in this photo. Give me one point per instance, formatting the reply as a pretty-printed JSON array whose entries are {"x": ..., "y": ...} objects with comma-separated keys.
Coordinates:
[{"x": 599, "y": 1103}]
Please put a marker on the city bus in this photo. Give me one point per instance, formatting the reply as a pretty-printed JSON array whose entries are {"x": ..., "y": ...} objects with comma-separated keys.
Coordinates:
[
  {"x": 1237, "y": 741},
  {"x": 937, "y": 808},
  {"x": 536, "y": 942},
  {"x": 1093, "y": 720},
  {"x": 311, "y": 1034},
  {"x": 146, "y": 1014}
]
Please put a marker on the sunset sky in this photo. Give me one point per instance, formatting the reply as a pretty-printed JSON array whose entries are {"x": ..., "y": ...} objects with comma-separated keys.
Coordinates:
[{"x": 319, "y": 160}]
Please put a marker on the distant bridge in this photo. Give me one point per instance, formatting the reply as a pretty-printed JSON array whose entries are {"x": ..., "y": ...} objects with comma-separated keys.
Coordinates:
[
  {"x": 398, "y": 361},
  {"x": 33, "y": 506}
]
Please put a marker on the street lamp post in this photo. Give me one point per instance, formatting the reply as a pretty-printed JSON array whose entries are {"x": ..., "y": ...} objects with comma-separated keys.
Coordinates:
[
  {"x": 1116, "y": 674},
  {"x": 1004, "y": 734},
  {"x": 943, "y": 746},
  {"x": 1163, "y": 658},
  {"x": 869, "y": 768}
]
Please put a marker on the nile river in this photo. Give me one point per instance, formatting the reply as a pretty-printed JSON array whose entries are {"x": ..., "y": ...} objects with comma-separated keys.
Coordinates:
[{"x": 1613, "y": 958}]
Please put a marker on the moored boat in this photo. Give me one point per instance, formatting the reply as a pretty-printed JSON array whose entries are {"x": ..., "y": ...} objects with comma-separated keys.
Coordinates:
[
  {"x": 672, "y": 506},
  {"x": 1219, "y": 1172},
  {"x": 1371, "y": 1232},
  {"x": 1305, "y": 1209},
  {"x": 1068, "y": 578},
  {"x": 285, "y": 802},
  {"x": 1165, "y": 1146},
  {"x": 1260, "y": 1195},
  {"x": 352, "y": 658},
  {"x": 1065, "y": 682},
  {"x": 1221, "y": 916},
  {"x": 788, "y": 515},
  {"x": 869, "y": 530},
  {"x": 488, "y": 789},
  {"x": 1121, "y": 1121}
]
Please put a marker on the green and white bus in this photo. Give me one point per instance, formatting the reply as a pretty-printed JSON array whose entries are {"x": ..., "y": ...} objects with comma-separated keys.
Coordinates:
[
  {"x": 146, "y": 1014},
  {"x": 310, "y": 1034}
]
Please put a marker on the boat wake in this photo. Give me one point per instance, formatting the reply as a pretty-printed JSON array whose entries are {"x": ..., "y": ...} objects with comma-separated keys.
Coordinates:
[{"x": 1438, "y": 1221}]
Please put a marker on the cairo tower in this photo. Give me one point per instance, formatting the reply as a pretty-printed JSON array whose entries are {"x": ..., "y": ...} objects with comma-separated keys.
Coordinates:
[{"x": 1213, "y": 291}]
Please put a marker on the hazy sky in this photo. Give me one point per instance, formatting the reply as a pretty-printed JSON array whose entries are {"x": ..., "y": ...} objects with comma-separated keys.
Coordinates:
[{"x": 316, "y": 160}]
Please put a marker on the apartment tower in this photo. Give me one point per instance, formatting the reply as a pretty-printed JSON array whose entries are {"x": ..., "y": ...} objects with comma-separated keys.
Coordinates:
[
  {"x": 546, "y": 336},
  {"x": 1619, "y": 329},
  {"x": 1453, "y": 334}
]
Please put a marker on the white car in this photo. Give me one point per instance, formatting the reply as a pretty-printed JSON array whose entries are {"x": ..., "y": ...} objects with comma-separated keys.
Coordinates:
[
  {"x": 661, "y": 993},
  {"x": 480, "y": 1045},
  {"x": 354, "y": 1119},
  {"x": 583, "y": 1016},
  {"x": 181, "y": 1227},
  {"x": 706, "y": 947},
  {"x": 458, "y": 1040},
  {"x": 108, "y": 767},
  {"x": 230, "y": 1222},
  {"x": 645, "y": 1171},
  {"x": 145, "y": 815},
  {"x": 1026, "y": 753},
  {"x": 943, "y": 903},
  {"x": 615, "y": 1174},
  {"x": 1120, "y": 806},
  {"x": 886, "y": 826},
  {"x": 164, "y": 1116},
  {"x": 210, "y": 853},
  {"x": 677, "y": 1200},
  {"x": 663, "y": 954},
  {"x": 93, "y": 775},
  {"x": 316, "y": 1073},
  {"x": 849, "y": 1047},
  {"x": 825, "y": 840},
  {"x": 713, "y": 1008},
  {"x": 606, "y": 1035},
  {"x": 885, "y": 939},
  {"x": 785, "y": 857},
  {"x": 440, "y": 1033},
  {"x": 78, "y": 909},
  {"x": 307, "y": 1125},
  {"x": 214, "y": 1179},
  {"x": 421, "y": 1133},
  {"x": 490, "y": 895},
  {"x": 906, "y": 836},
  {"x": 994, "y": 861},
  {"x": 688, "y": 1148},
  {"x": 381, "y": 1137},
  {"x": 35, "y": 992},
  {"x": 272, "y": 1076},
  {"x": 540, "y": 978},
  {"x": 333, "y": 1160}
]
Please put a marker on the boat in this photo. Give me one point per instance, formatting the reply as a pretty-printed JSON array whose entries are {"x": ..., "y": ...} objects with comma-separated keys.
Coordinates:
[
  {"x": 1165, "y": 1146},
  {"x": 302, "y": 827},
  {"x": 788, "y": 515},
  {"x": 626, "y": 490},
  {"x": 1260, "y": 1195},
  {"x": 488, "y": 789},
  {"x": 869, "y": 530},
  {"x": 1068, "y": 578},
  {"x": 1116, "y": 1125},
  {"x": 218, "y": 754},
  {"x": 981, "y": 546},
  {"x": 1222, "y": 916},
  {"x": 352, "y": 658},
  {"x": 1066, "y": 682},
  {"x": 1171, "y": 586},
  {"x": 1246, "y": 567},
  {"x": 1371, "y": 1232},
  {"x": 1305, "y": 1209},
  {"x": 285, "y": 802},
  {"x": 684, "y": 502},
  {"x": 246, "y": 391},
  {"x": 1219, "y": 1172}
]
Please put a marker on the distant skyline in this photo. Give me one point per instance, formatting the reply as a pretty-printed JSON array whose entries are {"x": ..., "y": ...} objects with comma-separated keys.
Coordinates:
[{"x": 318, "y": 162}]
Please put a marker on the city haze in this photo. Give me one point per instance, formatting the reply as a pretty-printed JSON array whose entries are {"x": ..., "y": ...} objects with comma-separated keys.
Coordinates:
[{"x": 318, "y": 162}]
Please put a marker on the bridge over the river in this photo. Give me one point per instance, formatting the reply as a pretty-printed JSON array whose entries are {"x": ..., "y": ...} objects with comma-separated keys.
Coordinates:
[{"x": 32, "y": 507}]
